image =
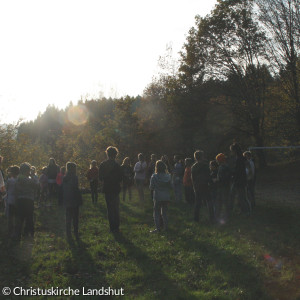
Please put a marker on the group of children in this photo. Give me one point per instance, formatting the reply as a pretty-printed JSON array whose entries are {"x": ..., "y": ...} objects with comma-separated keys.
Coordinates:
[
  {"x": 22, "y": 189},
  {"x": 213, "y": 185}
]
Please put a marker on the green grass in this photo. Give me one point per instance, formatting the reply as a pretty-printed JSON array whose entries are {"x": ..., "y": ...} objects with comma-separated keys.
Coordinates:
[{"x": 190, "y": 261}]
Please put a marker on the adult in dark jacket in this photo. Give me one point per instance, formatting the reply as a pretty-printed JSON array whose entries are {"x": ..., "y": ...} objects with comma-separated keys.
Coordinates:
[
  {"x": 110, "y": 174},
  {"x": 239, "y": 181},
  {"x": 200, "y": 179},
  {"x": 52, "y": 171},
  {"x": 25, "y": 190},
  {"x": 72, "y": 199}
]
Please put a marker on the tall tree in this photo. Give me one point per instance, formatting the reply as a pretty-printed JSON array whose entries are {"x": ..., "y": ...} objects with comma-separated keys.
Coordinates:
[
  {"x": 233, "y": 45},
  {"x": 281, "y": 19}
]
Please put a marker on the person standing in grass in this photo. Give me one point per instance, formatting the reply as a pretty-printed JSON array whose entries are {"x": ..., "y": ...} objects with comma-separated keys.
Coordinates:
[
  {"x": 177, "y": 178},
  {"x": 11, "y": 199},
  {"x": 213, "y": 189},
  {"x": 44, "y": 189},
  {"x": 151, "y": 170},
  {"x": 72, "y": 199},
  {"x": 160, "y": 183},
  {"x": 128, "y": 174},
  {"x": 187, "y": 182},
  {"x": 140, "y": 170},
  {"x": 223, "y": 177},
  {"x": 239, "y": 181},
  {"x": 110, "y": 174},
  {"x": 92, "y": 176},
  {"x": 250, "y": 172},
  {"x": 200, "y": 179},
  {"x": 25, "y": 193},
  {"x": 52, "y": 171},
  {"x": 59, "y": 181}
]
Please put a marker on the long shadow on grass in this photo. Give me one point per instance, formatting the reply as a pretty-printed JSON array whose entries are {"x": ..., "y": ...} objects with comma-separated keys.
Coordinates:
[
  {"x": 236, "y": 271},
  {"x": 277, "y": 228},
  {"x": 83, "y": 269},
  {"x": 15, "y": 259},
  {"x": 154, "y": 278}
]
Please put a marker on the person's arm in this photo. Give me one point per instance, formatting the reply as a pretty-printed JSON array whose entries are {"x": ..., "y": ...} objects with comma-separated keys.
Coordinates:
[
  {"x": 137, "y": 167},
  {"x": 152, "y": 182},
  {"x": 2, "y": 184},
  {"x": 101, "y": 172}
]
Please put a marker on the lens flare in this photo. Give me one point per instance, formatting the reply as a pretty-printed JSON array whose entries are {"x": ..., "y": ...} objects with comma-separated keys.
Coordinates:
[{"x": 78, "y": 115}]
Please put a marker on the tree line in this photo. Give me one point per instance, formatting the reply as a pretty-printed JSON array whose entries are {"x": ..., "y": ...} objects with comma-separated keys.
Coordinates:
[{"x": 237, "y": 79}]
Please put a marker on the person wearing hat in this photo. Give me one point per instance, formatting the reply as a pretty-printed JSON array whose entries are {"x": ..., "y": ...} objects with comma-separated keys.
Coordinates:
[{"x": 223, "y": 179}]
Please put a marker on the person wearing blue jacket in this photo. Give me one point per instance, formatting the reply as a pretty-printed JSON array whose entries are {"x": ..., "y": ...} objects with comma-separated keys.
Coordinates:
[{"x": 160, "y": 183}]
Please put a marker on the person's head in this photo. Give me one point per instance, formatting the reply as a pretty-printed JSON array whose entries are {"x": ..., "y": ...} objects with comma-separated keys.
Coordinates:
[
  {"x": 111, "y": 152},
  {"x": 153, "y": 157},
  {"x": 93, "y": 164},
  {"x": 213, "y": 165},
  {"x": 14, "y": 171},
  {"x": 63, "y": 170},
  {"x": 1, "y": 159},
  {"x": 141, "y": 157},
  {"x": 33, "y": 170},
  {"x": 126, "y": 161},
  {"x": 164, "y": 158},
  {"x": 221, "y": 158},
  {"x": 236, "y": 149},
  {"x": 188, "y": 162},
  {"x": 160, "y": 167},
  {"x": 199, "y": 155},
  {"x": 71, "y": 168},
  {"x": 44, "y": 170},
  {"x": 247, "y": 154},
  {"x": 176, "y": 158},
  {"x": 52, "y": 161},
  {"x": 25, "y": 169}
]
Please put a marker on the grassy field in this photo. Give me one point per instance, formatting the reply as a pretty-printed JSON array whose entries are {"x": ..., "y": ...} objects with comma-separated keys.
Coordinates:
[{"x": 247, "y": 258}]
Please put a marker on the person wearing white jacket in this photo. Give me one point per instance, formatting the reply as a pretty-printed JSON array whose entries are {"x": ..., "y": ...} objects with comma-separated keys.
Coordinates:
[{"x": 140, "y": 170}]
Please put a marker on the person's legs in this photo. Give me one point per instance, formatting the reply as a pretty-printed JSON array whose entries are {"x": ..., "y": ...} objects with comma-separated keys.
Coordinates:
[
  {"x": 75, "y": 214},
  {"x": 68, "y": 221},
  {"x": 198, "y": 204},
  {"x": 244, "y": 203},
  {"x": 230, "y": 205},
  {"x": 140, "y": 188},
  {"x": 164, "y": 213},
  {"x": 130, "y": 192},
  {"x": 124, "y": 189},
  {"x": 211, "y": 199},
  {"x": 112, "y": 203},
  {"x": 157, "y": 213}
]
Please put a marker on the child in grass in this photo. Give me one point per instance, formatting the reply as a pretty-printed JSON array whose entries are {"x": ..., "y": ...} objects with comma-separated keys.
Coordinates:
[
  {"x": 223, "y": 177},
  {"x": 127, "y": 172},
  {"x": 187, "y": 182},
  {"x": 160, "y": 183},
  {"x": 11, "y": 198},
  {"x": 72, "y": 199},
  {"x": 44, "y": 189},
  {"x": 140, "y": 170},
  {"x": 92, "y": 176},
  {"x": 178, "y": 172},
  {"x": 59, "y": 181},
  {"x": 213, "y": 189},
  {"x": 251, "y": 176}
]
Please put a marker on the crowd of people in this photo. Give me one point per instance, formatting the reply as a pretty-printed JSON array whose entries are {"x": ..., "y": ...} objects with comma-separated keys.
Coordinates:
[{"x": 213, "y": 185}]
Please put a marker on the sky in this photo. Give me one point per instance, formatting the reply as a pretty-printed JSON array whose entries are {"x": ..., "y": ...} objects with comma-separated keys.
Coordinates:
[{"x": 58, "y": 51}]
